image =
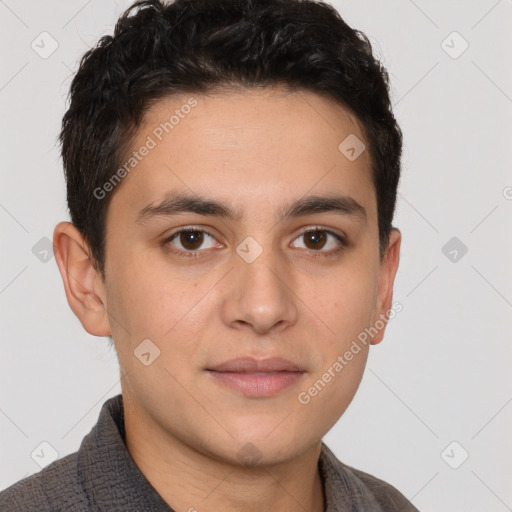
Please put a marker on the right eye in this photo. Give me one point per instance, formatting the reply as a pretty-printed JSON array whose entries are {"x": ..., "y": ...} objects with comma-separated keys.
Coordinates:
[{"x": 190, "y": 239}]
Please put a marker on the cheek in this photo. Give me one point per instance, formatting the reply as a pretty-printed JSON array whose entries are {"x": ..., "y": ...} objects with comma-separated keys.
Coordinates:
[
  {"x": 347, "y": 306},
  {"x": 162, "y": 306},
  {"x": 346, "y": 303},
  {"x": 149, "y": 299}
]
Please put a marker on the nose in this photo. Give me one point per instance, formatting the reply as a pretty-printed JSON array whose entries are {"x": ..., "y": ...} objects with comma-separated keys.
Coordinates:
[{"x": 261, "y": 295}]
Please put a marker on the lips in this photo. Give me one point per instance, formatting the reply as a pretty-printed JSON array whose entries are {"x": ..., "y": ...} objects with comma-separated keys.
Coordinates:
[
  {"x": 257, "y": 378},
  {"x": 251, "y": 365}
]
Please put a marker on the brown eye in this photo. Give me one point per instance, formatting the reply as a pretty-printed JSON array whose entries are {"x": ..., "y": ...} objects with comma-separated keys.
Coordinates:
[
  {"x": 317, "y": 239},
  {"x": 189, "y": 242}
]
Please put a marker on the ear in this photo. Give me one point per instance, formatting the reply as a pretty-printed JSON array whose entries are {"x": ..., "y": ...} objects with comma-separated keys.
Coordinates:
[
  {"x": 388, "y": 268},
  {"x": 84, "y": 286}
]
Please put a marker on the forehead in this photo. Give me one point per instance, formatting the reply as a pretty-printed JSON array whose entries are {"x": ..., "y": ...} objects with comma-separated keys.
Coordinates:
[{"x": 250, "y": 148}]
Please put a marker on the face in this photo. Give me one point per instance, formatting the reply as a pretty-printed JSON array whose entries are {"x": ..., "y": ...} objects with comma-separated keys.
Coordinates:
[{"x": 251, "y": 277}]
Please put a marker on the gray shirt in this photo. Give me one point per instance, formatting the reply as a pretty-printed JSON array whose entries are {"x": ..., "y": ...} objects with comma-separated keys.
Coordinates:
[{"x": 102, "y": 476}]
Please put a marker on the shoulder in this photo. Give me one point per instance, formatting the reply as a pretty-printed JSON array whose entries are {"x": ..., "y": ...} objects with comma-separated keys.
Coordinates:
[
  {"x": 345, "y": 484},
  {"x": 56, "y": 485},
  {"x": 388, "y": 497}
]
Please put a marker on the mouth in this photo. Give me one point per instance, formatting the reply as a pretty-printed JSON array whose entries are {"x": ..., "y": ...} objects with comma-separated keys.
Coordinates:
[{"x": 257, "y": 378}]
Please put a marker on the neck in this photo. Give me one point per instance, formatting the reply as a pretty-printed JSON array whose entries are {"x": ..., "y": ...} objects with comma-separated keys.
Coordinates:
[{"x": 191, "y": 480}]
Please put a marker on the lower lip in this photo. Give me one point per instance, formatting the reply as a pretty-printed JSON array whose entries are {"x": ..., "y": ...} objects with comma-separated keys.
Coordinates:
[{"x": 257, "y": 385}]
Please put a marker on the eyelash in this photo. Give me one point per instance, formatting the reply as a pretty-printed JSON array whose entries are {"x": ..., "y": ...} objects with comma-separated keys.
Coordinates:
[{"x": 315, "y": 254}]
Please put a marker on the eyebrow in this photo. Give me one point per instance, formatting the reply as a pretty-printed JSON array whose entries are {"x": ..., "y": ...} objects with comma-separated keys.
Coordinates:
[{"x": 178, "y": 202}]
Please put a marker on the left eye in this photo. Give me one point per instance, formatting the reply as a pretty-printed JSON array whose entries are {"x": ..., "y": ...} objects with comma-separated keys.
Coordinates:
[{"x": 318, "y": 237}]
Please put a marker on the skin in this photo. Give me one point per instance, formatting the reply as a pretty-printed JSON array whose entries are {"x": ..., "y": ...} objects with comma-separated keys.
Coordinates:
[{"x": 257, "y": 150}]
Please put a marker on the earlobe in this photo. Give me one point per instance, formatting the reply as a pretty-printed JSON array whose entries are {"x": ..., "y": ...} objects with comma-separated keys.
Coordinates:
[
  {"x": 388, "y": 269},
  {"x": 80, "y": 279}
]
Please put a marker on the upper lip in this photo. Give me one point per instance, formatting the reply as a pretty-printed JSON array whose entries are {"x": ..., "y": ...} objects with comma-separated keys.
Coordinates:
[{"x": 250, "y": 364}]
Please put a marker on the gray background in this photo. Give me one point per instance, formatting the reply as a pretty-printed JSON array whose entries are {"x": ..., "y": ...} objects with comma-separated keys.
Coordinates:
[{"x": 442, "y": 373}]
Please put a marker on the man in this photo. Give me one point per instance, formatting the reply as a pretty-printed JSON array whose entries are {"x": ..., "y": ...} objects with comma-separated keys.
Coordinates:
[{"x": 232, "y": 169}]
